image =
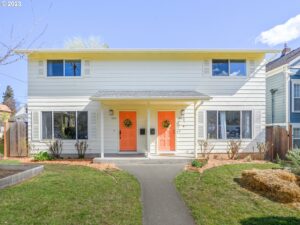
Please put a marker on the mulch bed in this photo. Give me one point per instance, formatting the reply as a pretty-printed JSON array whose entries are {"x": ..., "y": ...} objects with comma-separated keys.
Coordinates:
[
  {"x": 5, "y": 173},
  {"x": 211, "y": 163},
  {"x": 74, "y": 162}
]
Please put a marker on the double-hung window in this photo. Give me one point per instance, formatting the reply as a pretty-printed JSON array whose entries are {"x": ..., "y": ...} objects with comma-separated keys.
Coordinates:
[
  {"x": 68, "y": 125},
  {"x": 296, "y": 137},
  {"x": 229, "y": 124},
  {"x": 229, "y": 67},
  {"x": 61, "y": 68},
  {"x": 296, "y": 96}
]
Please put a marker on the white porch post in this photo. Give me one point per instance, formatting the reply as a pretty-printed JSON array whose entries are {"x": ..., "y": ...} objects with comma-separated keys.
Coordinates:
[
  {"x": 195, "y": 130},
  {"x": 148, "y": 130},
  {"x": 102, "y": 131}
]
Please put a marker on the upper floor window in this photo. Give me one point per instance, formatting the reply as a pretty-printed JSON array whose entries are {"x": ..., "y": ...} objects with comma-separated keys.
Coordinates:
[
  {"x": 295, "y": 71},
  {"x": 63, "y": 68},
  {"x": 55, "y": 68},
  {"x": 226, "y": 67},
  {"x": 296, "y": 96},
  {"x": 72, "y": 68}
]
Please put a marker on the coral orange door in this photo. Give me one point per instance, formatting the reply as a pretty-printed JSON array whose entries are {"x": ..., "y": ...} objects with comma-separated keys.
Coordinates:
[
  {"x": 166, "y": 131},
  {"x": 127, "y": 134}
]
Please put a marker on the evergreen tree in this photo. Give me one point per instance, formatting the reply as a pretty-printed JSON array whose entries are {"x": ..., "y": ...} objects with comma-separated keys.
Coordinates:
[{"x": 9, "y": 99}]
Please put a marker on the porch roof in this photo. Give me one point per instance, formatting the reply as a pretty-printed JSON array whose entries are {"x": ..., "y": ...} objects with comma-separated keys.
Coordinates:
[{"x": 149, "y": 95}]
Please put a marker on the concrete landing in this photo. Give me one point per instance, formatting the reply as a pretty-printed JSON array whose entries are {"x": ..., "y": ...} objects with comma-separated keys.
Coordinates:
[{"x": 144, "y": 160}]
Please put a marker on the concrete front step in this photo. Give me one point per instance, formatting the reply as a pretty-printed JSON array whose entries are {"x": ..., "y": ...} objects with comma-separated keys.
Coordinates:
[{"x": 144, "y": 160}]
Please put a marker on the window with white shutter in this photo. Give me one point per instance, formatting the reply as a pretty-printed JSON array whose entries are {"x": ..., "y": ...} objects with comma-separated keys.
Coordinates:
[
  {"x": 251, "y": 67},
  {"x": 87, "y": 69},
  {"x": 35, "y": 123},
  {"x": 257, "y": 122},
  {"x": 41, "y": 68},
  {"x": 201, "y": 124},
  {"x": 93, "y": 125},
  {"x": 206, "y": 68}
]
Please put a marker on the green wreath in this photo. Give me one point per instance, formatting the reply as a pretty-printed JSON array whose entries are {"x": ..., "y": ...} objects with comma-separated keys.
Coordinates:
[
  {"x": 127, "y": 123},
  {"x": 166, "y": 123}
]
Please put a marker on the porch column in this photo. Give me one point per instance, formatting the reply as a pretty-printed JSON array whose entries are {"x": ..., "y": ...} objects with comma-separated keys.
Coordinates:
[
  {"x": 102, "y": 131},
  {"x": 195, "y": 130},
  {"x": 148, "y": 130}
]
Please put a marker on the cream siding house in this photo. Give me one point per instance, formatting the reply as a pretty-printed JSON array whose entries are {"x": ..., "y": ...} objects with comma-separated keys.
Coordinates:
[{"x": 155, "y": 101}]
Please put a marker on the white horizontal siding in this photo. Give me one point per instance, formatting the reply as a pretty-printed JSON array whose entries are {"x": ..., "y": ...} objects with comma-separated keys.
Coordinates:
[
  {"x": 68, "y": 145},
  {"x": 67, "y": 93}
]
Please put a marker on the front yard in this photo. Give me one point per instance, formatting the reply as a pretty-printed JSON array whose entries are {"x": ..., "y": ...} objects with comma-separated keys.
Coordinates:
[
  {"x": 65, "y": 194},
  {"x": 214, "y": 197},
  {"x": 1, "y": 148}
]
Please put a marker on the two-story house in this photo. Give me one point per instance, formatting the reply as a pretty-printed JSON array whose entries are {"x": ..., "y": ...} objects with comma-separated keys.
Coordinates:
[
  {"x": 283, "y": 93},
  {"x": 152, "y": 101}
]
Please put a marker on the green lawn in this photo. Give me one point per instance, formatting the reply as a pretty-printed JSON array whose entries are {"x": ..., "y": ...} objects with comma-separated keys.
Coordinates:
[
  {"x": 9, "y": 161},
  {"x": 1, "y": 148},
  {"x": 214, "y": 197},
  {"x": 73, "y": 195}
]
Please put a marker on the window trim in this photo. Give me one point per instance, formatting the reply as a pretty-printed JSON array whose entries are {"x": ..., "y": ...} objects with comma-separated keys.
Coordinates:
[
  {"x": 52, "y": 113},
  {"x": 226, "y": 139},
  {"x": 229, "y": 69},
  {"x": 293, "y": 127},
  {"x": 293, "y": 95},
  {"x": 64, "y": 75}
]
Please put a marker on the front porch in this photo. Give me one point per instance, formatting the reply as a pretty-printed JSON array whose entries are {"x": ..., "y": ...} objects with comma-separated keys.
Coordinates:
[{"x": 148, "y": 124}]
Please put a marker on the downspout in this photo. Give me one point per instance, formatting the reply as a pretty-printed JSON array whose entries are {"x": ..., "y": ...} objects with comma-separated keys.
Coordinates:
[
  {"x": 287, "y": 104},
  {"x": 196, "y": 107},
  {"x": 273, "y": 91}
]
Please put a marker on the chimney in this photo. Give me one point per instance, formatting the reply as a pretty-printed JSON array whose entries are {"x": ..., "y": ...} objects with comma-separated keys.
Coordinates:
[{"x": 285, "y": 50}]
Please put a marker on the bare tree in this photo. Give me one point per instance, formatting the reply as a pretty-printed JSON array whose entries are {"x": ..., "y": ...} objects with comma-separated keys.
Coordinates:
[
  {"x": 81, "y": 43},
  {"x": 27, "y": 40}
]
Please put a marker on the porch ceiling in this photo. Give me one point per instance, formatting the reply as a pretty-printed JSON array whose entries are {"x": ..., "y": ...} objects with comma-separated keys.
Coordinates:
[{"x": 149, "y": 95}]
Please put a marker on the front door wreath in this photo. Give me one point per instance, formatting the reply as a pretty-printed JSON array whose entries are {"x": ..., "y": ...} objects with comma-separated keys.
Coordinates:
[
  {"x": 166, "y": 123},
  {"x": 127, "y": 123}
]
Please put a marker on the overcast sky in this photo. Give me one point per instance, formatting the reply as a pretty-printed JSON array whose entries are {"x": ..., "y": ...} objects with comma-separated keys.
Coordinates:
[{"x": 147, "y": 24}]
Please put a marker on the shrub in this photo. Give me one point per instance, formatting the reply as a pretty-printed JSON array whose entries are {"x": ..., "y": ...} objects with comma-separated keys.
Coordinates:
[
  {"x": 205, "y": 148},
  {"x": 56, "y": 148},
  {"x": 81, "y": 147},
  {"x": 233, "y": 148},
  {"x": 293, "y": 157},
  {"x": 263, "y": 148},
  {"x": 198, "y": 164},
  {"x": 42, "y": 156}
]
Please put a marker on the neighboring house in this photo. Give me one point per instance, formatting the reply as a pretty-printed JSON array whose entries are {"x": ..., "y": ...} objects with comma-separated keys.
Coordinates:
[
  {"x": 146, "y": 101},
  {"x": 283, "y": 93},
  {"x": 22, "y": 114},
  {"x": 5, "y": 113}
]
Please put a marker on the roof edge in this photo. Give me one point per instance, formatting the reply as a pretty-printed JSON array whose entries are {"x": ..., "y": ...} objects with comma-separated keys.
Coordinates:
[{"x": 144, "y": 50}]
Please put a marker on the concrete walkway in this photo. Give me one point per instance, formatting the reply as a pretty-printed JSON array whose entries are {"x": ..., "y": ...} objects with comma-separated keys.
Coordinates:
[{"x": 162, "y": 204}]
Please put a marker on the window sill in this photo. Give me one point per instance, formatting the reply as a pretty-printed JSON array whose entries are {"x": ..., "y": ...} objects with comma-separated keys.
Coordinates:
[
  {"x": 230, "y": 77},
  {"x": 64, "y": 77},
  {"x": 67, "y": 140},
  {"x": 226, "y": 140}
]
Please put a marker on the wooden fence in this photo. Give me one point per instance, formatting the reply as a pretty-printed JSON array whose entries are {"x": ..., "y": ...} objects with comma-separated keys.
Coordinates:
[
  {"x": 280, "y": 141},
  {"x": 15, "y": 139}
]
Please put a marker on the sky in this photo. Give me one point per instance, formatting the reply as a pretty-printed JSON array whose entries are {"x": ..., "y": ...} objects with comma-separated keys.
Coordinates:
[{"x": 251, "y": 24}]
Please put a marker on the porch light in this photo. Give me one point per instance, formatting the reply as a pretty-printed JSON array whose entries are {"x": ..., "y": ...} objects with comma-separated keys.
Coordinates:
[
  {"x": 111, "y": 112},
  {"x": 182, "y": 112}
]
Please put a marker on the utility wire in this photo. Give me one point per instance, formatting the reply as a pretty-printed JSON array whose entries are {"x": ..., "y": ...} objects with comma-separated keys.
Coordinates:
[{"x": 12, "y": 77}]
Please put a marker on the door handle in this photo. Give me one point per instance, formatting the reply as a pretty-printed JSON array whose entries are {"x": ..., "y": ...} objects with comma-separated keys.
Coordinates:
[{"x": 120, "y": 134}]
